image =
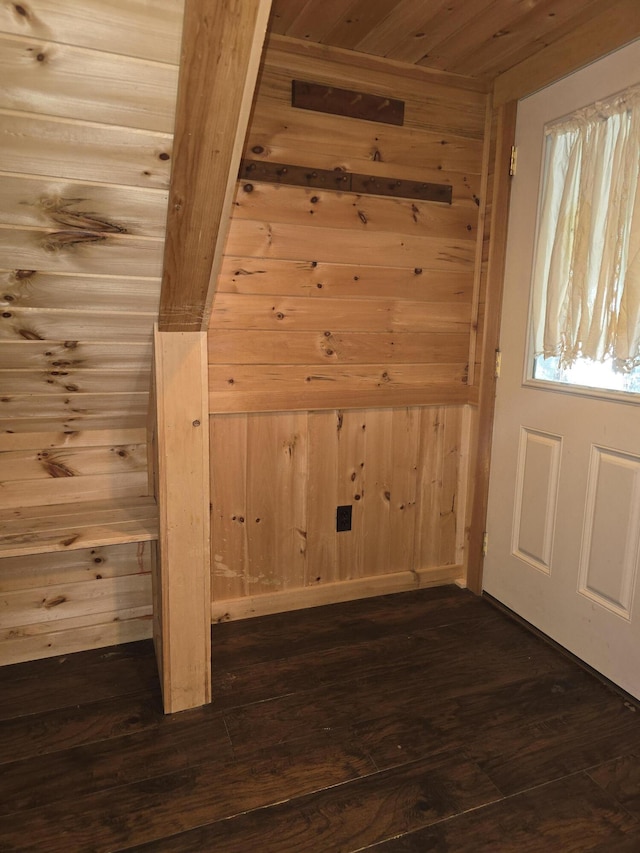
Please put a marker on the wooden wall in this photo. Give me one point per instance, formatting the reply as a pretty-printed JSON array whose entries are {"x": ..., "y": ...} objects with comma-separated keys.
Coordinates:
[
  {"x": 350, "y": 320},
  {"x": 86, "y": 120}
]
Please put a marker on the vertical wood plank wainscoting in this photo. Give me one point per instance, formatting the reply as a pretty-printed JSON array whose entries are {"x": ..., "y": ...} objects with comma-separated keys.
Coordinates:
[
  {"x": 86, "y": 124},
  {"x": 342, "y": 343},
  {"x": 278, "y": 478}
]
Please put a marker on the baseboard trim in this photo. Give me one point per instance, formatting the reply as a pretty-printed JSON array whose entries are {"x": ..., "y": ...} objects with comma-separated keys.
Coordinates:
[{"x": 333, "y": 593}]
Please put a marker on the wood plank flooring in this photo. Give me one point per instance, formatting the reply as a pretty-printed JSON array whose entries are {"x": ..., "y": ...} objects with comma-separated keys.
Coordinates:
[{"x": 426, "y": 721}]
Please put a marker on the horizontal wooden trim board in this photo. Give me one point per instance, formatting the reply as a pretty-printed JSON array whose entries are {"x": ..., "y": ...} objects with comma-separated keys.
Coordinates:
[
  {"x": 297, "y": 242},
  {"x": 302, "y": 400},
  {"x": 346, "y": 102},
  {"x": 332, "y": 593},
  {"x": 304, "y": 56},
  {"x": 307, "y": 176},
  {"x": 232, "y": 346},
  {"x": 320, "y": 208},
  {"x": 297, "y": 314},
  {"x": 355, "y": 146},
  {"x": 318, "y": 280}
]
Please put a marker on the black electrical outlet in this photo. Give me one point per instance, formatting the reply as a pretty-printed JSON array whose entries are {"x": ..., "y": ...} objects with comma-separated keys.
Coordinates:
[{"x": 343, "y": 518}]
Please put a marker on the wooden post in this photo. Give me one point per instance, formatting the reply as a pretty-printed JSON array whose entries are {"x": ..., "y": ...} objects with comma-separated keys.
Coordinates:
[
  {"x": 221, "y": 49},
  {"x": 182, "y": 582}
]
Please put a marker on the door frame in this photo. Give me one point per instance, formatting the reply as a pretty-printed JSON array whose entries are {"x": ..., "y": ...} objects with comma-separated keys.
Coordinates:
[{"x": 507, "y": 90}]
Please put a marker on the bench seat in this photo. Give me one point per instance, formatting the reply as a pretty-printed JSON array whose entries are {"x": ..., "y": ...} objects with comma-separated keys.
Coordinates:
[{"x": 65, "y": 527}]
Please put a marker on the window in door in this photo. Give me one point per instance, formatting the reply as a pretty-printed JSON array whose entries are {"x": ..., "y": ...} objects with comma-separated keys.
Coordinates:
[{"x": 585, "y": 305}]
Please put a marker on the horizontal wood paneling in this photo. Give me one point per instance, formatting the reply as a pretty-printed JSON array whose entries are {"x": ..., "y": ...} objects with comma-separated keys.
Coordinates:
[
  {"x": 420, "y": 150},
  {"x": 60, "y": 380},
  {"x": 334, "y": 245},
  {"x": 74, "y": 252},
  {"x": 33, "y": 201},
  {"x": 71, "y": 438},
  {"x": 333, "y": 299},
  {"x": 263, "y": 276},
  {"x": 293, "y": 313},
  {"x": 80, "y": 150},
  {"x": 325, "y": 209},
  {"x": 71, "y": 462},
  {"x": 72, "y": 490},
  {"x": 44, "y": 570},
  {"x": 329, "y": 348},
  {"x": 128, "y": 27},
  {"x": 45, "y": 76},
  {"x": 277, "y": 479},
  {"x": 31, "y": 289},
  {"x": 65, "y": 601},
  {"x": 32, "y": 642},
  {"x": 86, "y": 120},
  {"x": 71, "y": 326},
  {"x": 23, "y": 354},
  {"x": 270, "y": 388}
]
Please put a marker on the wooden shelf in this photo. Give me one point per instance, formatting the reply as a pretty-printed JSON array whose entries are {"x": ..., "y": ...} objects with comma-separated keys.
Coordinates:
[{"x": 67, "y": 527}]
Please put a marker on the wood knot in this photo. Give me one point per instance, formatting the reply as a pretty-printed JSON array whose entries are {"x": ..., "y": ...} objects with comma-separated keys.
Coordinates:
[
  {"x": 53, "y": 602},
  {"x": 30, "y": 335}
]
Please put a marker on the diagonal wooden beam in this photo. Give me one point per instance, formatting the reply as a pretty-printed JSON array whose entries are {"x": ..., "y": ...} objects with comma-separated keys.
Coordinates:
[{"x": 221, "y": 48}]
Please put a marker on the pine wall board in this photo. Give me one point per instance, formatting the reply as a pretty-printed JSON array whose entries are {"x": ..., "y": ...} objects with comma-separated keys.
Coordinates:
[
  {"x": 277, "y": 479},
  {"x": 86, "y": 129},
  {"x": 339, "y": 344}
]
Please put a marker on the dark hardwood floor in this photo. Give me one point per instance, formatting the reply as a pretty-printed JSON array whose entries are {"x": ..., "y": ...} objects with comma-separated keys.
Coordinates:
[{"x": 427, "y": 721}]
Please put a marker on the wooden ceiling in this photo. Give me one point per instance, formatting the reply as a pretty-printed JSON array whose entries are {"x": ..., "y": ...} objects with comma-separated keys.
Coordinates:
[{"x": 477, "y": 38}]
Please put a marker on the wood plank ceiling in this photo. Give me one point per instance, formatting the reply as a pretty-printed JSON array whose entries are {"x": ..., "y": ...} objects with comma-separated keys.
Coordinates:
[{"x": 478, "y": 38}]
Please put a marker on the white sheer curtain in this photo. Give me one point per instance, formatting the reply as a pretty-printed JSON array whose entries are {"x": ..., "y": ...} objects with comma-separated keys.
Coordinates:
[{"x": 586, "y": 280}]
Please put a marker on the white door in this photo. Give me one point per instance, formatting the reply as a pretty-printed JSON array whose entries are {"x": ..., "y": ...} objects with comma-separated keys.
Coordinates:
[{"x": 564, "y": 501}]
